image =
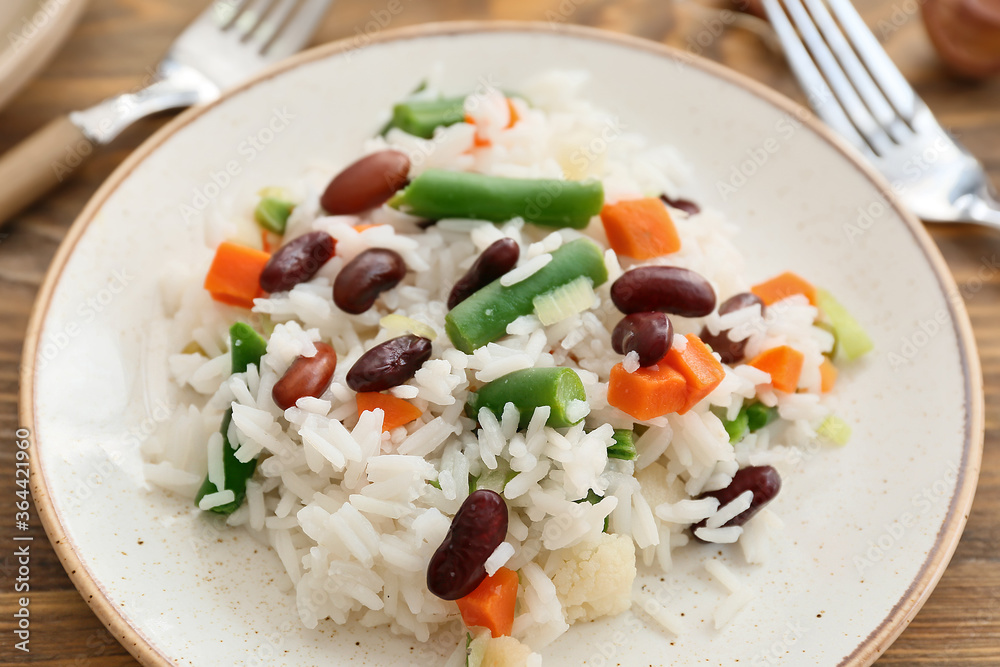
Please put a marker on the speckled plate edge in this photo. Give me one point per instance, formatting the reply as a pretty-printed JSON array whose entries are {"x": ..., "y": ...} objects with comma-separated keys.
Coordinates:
[
  {"x": 18, "y": 66},
  {"x": 965, "y": 486}
]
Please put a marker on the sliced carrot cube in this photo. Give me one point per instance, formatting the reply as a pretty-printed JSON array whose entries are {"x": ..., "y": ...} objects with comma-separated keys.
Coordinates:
[
  {"x": 397, "y": 411},
  {"x": 491, "y": 605},
  {"x": 647, "y": 393},
  {"x": 784, "y": 363},
  {"x": 828, "y": 376},
  {"x": 234, "y": 277},
  {"x": 640, "y": 228},
  {"x": 784, "y": 286},
  {"x": 700, "y": 369}
]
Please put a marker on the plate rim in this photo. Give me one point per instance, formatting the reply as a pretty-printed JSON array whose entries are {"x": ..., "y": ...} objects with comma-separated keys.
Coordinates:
[
  {"x": 864, "y": 654},
  {"x": 18, "y": 67}
]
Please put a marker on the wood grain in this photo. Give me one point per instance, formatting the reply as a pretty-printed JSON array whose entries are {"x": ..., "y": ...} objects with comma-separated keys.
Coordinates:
[{"x": 119, "y": 39}]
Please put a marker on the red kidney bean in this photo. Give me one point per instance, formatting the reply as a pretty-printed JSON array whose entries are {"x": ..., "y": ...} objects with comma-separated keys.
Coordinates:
[
  {"x": 667, "y": 289},
  {"x": 297, "y": 261},
  {"x": 499, "y": 258},
  {"x": 389, "y": 364},
  {"x": 685, "y": 205},
  {"x": 479, "y": 527},
  {"x": 731, "y": 351},
  {"x": 367, "y": 183},
  {"x": 765, "y": 483},
  {"x": 648, "y": 334},
  {"x": 365, "y": 277},
  {"x": 307, "y": 376}
]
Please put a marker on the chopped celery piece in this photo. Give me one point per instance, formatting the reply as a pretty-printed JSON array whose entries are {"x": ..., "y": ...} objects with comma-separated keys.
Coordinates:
[
  {"x": 272, "y": 214},
  {"x": 496, "y": 480},
  {"x": 834, "y": 429},
  {"x": 400, "y": 324},
  {"x": 483, "y": 317},
  {"x": 564, "y": 301},
  {"x": 623, "y": 447},
  {"x": 477, "y": 650},
  {"x": 852, "y": 341}
]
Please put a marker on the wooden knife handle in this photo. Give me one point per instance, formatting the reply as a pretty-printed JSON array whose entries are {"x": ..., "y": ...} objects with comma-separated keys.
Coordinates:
[{"x": 40, "y": 163}]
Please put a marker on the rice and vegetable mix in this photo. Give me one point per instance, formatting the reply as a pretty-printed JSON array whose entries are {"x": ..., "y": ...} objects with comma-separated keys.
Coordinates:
[{"x": 488, "y": 371}]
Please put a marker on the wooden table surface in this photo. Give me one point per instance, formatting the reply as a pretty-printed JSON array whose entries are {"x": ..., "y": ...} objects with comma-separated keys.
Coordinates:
[{"x": 119, "y": 39}]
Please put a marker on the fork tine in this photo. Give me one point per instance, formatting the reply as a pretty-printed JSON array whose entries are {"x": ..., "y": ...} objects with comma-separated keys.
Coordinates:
[
  {"x": 856, "y": 72},
  {"x": 820, "y": 96},
  {"x": 834, "y": 74},
  {"x": 230, "y": 11},
  {"x": 256, "y": 18},
  {"x": 298, "y": 26},
  {"x": 885, "y": 72},
  {"x": 278, "y": 23}
]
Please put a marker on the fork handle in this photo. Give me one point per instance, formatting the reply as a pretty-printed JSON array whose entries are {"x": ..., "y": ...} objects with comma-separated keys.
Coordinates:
[{"x": 40, "y": 163}]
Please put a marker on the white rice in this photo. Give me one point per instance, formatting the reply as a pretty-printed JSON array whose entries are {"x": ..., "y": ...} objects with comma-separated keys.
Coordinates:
[{"x": 354, "y": 514}]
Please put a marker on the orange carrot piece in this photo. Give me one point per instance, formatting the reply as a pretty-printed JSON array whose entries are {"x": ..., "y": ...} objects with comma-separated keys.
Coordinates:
[
  {"x": 701, "y": 370},
  {"x": 234, "y": 276},
  {"x": 784, "y": 364},
  {"x": 640, "y": 228},
  {"x": 514, "y": 116},
  {"x": 397, "y": 411},
  {"x": 828, "y": 376},
  {"x": 491, "y": 605},
  {"x": 784, "y": 286},
  {"x": 361, "y": 228},
  {"x": 649, "y": 392}
]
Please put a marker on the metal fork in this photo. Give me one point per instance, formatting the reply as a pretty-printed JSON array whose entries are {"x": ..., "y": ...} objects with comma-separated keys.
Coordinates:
[
  {"x": 853, "y": 85},
  {"x": 228, "y": 43}
]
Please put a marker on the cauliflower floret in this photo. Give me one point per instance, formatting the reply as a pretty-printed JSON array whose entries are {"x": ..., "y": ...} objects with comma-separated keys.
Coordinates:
[
  {"x": 505, "y": 652},
  {"x": 594, "y": 579}
]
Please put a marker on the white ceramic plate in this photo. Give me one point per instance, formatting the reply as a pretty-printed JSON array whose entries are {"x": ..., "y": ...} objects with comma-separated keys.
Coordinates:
[
  {"x": 32, "y": 30},
  {"x": 870, "y": 527}
]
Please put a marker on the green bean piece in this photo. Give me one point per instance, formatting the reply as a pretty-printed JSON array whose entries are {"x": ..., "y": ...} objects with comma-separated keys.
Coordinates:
[
  {"x": 421, "y": 117},
  {"x": 593, "y": 499},
  {"x": 759, "y": 416},
  {"x": 248, "y": 347},
  {"x": 624, "y": 446},
  {"x": 272, "y": 214},
  {"x": 437, "y": 194},
  {"x": 484, "y": 316},
  {"x": 237, "y": 473},
  {"x": 737, "y": 428},
  {"x": 528, "y": 389}
]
